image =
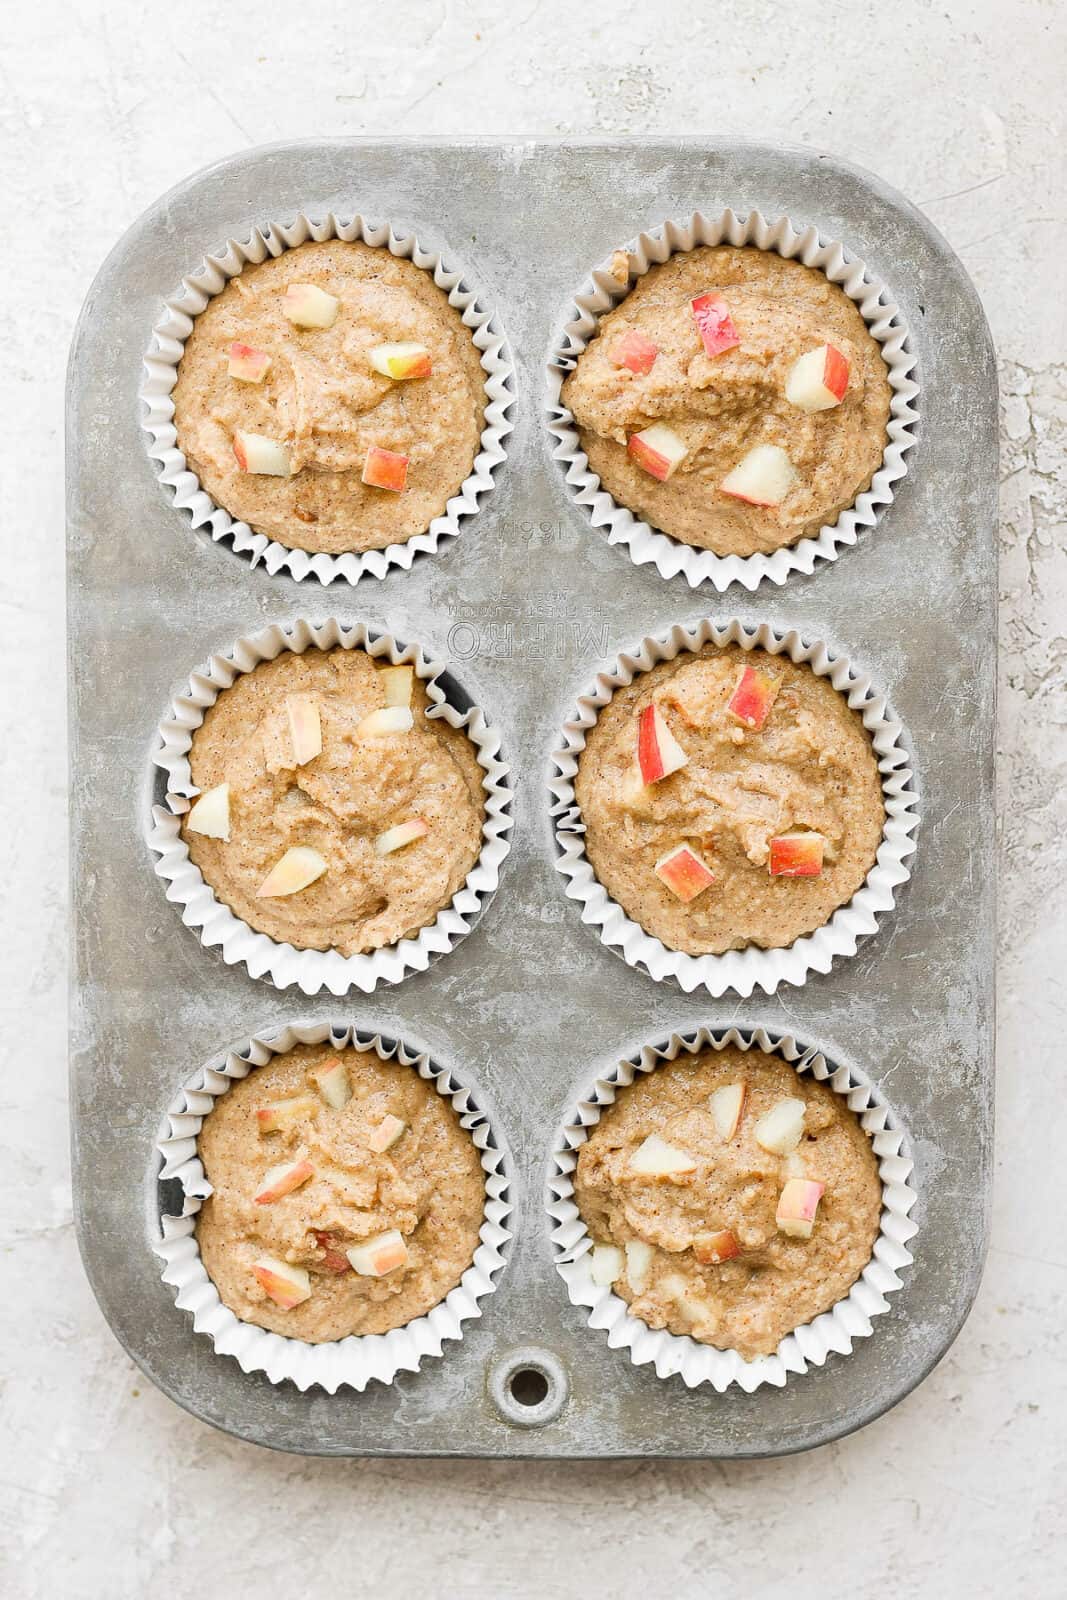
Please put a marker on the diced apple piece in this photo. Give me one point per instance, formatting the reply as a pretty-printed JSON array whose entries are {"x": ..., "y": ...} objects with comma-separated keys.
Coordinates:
[
  {"x": 655, "y": 1158},
  {"x": 247, "y": 364},
  {"x": 658, "y": 450},
  {"x": 638, "y": 1264},
  {"x": 711, "y": 1249},
  {"x": 332, "y": 1260},
  {"x": 818, "y": 380},
  {"x": 287, "y": 1286},
  {"x": 282, "y": 1180},
  {"x": 754, "y": 695},
  {"x": 763, "y": 477},
  {"x": 714, "y": 324},
  {"x": 727, "y": 1106},
  {"x": 780, "y": 1129},
  {"x": 284, "y": 1113},
  {"x": 384, "y": 469},
  {"x": 333, "y": 1084},
  {"x": 298, "y": 867},
  {"x": 797, "y": 1205},
  {"x": 375, "y": 1257},
  {"x": 307, "y": 306},
  {"x": 634, "y": 351},
  {"x": 211, "y": 813},
  {"x": 305, "y": 728},
  {"x": 385, "y": 1135},
  {"x": 256, "y": 453},
  {"x": 396, "y": 684},
  {"x": 605, "y": 1264},
  {"x": 404, "y": 833},
  {"x": 401, "y": 361},
  {"x": 388, "y": 719},
  {"x": 685, "y": 873},
  {"x": 658, "y": 751},
  {"x": 796, "y": 855}
]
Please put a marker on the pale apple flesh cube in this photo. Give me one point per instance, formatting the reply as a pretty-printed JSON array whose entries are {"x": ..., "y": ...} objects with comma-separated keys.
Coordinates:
[
  {"x": 797, "y": 1205},
  {"x": 210, "y": 815},
  {"x": 714, "y": 324},
  {"x": 286, "y": 1285},
  {"x": 333, "y": 1084},
  {"x": 634, "y": 351},
  {"x": 605, "y": 1264},
  {"x": 796, "y": 855},
  {"x": 638, "y": 1264},
  {"x": 727, "y": 1107},
  {"x": 255, "y": 452},
  {"x": 658, "y": 450},
  {"x": 247, "y": 364},
  {"x": 305, "y": 305},
  {"x": 658, "y": 751},
  {"x": 298, "y": 868},
  {"x": 404, "y": 833},
  {"x": 305, "y": 727},
  {"x": 818, "y": 380},
  {"x": 386, "y": 1134},
  {"x": 401, "y": 362},
  {"x": 282, "y": 1180},
  {"x": 285, "y": 1113},
  {"x": 754, "y": 695},
  {"x": 763, "y": 477},
  {"x": 781, "y": 1129},
  {"x": 374, "y": 1258},
  {"x": 712, "y": 1249},
  {"x": 397, "y": 685},
  {"x": 387, "y": 719},
  {"x": 658, "y": 1159},
  {"x": 385, "y": 469},
  {"x": 685, "y": 873}
]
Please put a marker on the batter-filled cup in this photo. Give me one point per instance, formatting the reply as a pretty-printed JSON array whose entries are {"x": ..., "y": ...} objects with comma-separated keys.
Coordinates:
[
  {"x": 268, "y": 954},
  {"x": 286, "y": 549},
  {"x": 608, "y": 288},
  {"x": 688, "y": 871},
  {"x": 590, "y": 1275},
  {"x": 353, "y": 1361}
]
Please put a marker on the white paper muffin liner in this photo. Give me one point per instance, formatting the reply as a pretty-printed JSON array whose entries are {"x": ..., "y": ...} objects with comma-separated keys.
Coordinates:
[
  {"x": 750, "y": 968},
  {"x": 161, "y": 373},
  {"x": 602, "y": 292},
  {"x": 807, "y": 1346},
  {"x": 361, "y": 1358},
  {"x": 264, "y": 957}
]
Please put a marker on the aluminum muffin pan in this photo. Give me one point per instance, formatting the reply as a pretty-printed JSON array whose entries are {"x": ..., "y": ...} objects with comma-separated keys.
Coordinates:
[{"x": 527, "y": 603}]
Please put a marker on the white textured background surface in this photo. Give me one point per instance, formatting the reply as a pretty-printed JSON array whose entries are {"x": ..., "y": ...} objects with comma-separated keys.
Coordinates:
[{"x": 103, "y": 1483}]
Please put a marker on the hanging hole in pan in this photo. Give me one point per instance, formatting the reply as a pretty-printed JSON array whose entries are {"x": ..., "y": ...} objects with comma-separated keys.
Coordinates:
[{"x": 529, "y": 1386}]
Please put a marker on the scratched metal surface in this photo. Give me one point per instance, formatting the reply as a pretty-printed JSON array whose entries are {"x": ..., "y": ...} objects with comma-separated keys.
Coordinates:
[{"x": 526, "y": 604}]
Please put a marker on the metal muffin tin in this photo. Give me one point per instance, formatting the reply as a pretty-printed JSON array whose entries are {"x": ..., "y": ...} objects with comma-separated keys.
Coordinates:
[{"x": 526, "y": 604}]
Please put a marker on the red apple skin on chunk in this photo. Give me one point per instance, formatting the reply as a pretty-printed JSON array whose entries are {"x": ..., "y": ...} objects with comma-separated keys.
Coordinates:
[
  {"x": 635, "y": 351},
  {"x": 333, "y": 1260},
  {"x": 246, "y": 363},
  {"x": 385, "y": 469},
  {"x": 287, "y": 1286},
  {"x": 797, "y": 1205},
  {"x": 255, "y": 452},
  {"x": 796, "y": 855},
  {"x": 818, "y": 380},
  {"x": 752, "y": 699},
  {"x": 685, "y": 873},
  {"x": 714, "y": 324},
  {"x": 658, "y": 450},
  {"x": 763, "y": 476},
  {"x": 711, "y": 1249},
  {"x": 658, "y": 751},
  {"x": 283, "y": 1180}
]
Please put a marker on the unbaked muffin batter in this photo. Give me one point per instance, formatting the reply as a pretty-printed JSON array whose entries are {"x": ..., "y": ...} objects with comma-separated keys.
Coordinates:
[
  {"x": 670, "y": 1230},
  {"x": 322, "y": 401},
  {"x": 725, "y": 405},
  {"x": 428, "y": 1186},
  {"x": 340, "y": 804},
  {"x": 810, "y": 768}
]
